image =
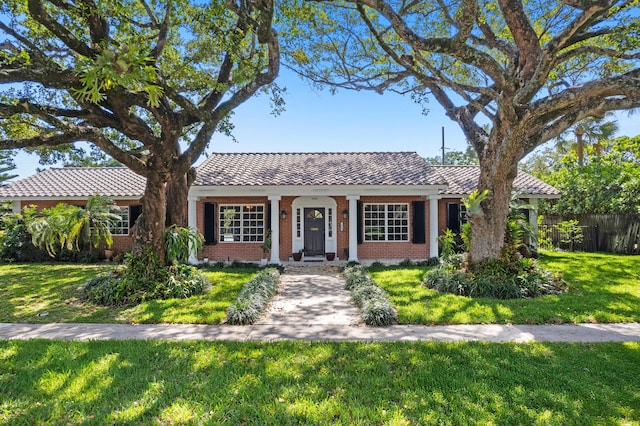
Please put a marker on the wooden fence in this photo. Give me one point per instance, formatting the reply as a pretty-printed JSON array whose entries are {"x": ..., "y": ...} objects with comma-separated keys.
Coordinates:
[{"x": 609, "y": 233}]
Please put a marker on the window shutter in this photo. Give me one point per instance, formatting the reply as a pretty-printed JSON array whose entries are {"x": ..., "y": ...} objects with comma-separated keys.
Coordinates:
[
  {"x": 135, "y": 210},
  {"x": 209, "y": 223},
  {"x": 268, "y": 218},
  {"x": 359, "y": 217},
  {"x": 419, "y": 228}
]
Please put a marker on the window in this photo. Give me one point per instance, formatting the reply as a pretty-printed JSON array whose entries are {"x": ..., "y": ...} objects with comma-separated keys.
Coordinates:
[
  {"x": 386, "y": 222},
  {"x": 243, "y": 223},
  {"x": 121, "y": 226}
]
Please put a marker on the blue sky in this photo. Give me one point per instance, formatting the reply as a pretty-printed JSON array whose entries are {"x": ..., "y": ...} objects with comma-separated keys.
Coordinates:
[{"x": 317, "y": 121}]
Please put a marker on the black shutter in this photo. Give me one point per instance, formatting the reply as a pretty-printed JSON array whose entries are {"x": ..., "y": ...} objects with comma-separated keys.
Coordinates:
[
  {"x": 209, "y": 223},
  {"x": 269, "y": 216},
  {"x": 360, "y": 223},
  {"x": 419, "y": 227},
  {"x": 135, "y": 210}
]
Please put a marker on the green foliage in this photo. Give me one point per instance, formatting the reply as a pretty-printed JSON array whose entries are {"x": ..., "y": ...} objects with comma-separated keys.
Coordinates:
[
  {"x": 372, "y": 300},
  {"x": 143, "y": 279},
  {"x": 253, "y": 298},
  {"x": 266, "y": 247},
  {"x": 570, "y": 233},
  {"x": 496, "y": 278},
  {"x": 72, "y": 227},
  {"x": 447, "y": 243},
  {"x": 472, "y": 201},
  {"x": 15, "y": 239},
  {"x": 468, "y": 157},
  {"x": 181, "y": 242},
  {"x": 6, "y": 165},
  {"x": 607, "y": 183}
]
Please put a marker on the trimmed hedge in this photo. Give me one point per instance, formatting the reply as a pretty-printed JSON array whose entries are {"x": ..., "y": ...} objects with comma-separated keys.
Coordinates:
[
  {"x": 253, "y": 298},
  {"x": 369, "y": 297}
]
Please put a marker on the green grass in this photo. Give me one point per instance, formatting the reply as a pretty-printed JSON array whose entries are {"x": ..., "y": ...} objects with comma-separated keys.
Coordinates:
[
  {"x": 28, "y": 290},
  {"x": 604, "y": 288},
  {"x": 147, "y": 382}
]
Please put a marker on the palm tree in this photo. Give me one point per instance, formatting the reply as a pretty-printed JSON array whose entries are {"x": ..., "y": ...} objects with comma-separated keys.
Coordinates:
[
  {"x": 91, "y": 226},
  {"x": 49, "y": 229},
  {"x": 75, "y": 227},
  {"x": 591, "y": 130}
]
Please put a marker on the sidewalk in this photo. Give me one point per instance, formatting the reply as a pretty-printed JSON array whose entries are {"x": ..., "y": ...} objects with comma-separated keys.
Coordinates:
[{"x": 442, "y": 333}]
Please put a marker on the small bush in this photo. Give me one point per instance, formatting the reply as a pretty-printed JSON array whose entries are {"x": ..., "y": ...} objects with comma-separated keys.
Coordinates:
[
  {"x": 378, "y": 313},
  {"x": 497, "y": 279},
  {"x": 101, "y": 290},
  {"x": 432, "y": 261},
  {"x": 145, "y": 279},
  {"x": 254, "y": 297},
  {"x": 369, "y": 297}
]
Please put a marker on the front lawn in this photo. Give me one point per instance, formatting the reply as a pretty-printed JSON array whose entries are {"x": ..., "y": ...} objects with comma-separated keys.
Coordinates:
[
  {"x": 48, "y": 292},
  {"x": 150, "y": 382},
  {"x": 604, "y": 288}
]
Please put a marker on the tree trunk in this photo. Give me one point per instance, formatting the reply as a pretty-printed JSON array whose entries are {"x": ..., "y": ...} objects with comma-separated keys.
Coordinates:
[
  {"x": 489, "y": 223},
  {"x": 148, "y": 232},
  {"x": 177, "y": 199}
]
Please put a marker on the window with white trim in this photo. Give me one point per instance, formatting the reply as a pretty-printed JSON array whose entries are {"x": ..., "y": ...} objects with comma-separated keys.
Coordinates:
[
  {"x": 386, "y": 222},
  {"x": 121, "y": 226},
  {"x": 242, "y": 223}
]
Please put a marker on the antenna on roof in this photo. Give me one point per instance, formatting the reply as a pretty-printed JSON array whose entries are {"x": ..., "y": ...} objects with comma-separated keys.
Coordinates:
[{"x": 443, "y": 162}]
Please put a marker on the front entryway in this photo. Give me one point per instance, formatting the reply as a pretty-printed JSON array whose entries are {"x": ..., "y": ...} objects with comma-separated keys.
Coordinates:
[{"x": 314, "y": 227}]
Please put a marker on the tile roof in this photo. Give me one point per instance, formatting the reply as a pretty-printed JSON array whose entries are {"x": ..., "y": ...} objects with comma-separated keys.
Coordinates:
[
  {"x": 330, "y": 168},
  {"x": 464, "y": 179},
  {"x": 77, "y": 182}
]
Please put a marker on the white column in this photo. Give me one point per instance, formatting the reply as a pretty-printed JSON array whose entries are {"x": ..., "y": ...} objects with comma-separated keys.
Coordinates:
[
  {"x": 275, "y": 228},
  {"x": 353, "y": 227},
  {"x": 15, "y": 206},
  {"x": 533, "y": 220},
  {"x": 192, "y": 219},
  {"x": 433, "y": 225}
]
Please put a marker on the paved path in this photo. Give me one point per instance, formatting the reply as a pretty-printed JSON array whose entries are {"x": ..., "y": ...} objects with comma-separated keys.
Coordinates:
[
  {"x": 311, "y": 304},
  {"x": 312, "y": 297}
]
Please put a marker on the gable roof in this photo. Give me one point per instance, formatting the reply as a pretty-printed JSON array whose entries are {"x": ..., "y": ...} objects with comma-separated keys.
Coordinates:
[
  {"x": 464, "y": 179},
  {"x": 326, "y": 168},
  {"x": 77, "y": 182}
]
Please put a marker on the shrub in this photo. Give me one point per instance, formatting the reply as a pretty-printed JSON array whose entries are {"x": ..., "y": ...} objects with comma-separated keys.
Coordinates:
[
  {"x": 496, "y": 279},
  {"x": 141, "y": 279},
  {"x": 254, "y": 297},
  {"x": 371, "y": 299},
  {"x": 378, "y": 313}
]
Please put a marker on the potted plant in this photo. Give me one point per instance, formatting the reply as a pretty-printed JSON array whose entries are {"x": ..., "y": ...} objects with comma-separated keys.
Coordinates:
[
  {"x": 266, "y": 248},
  {"x": 330, "y": 255},
  {"x": 108, "y": 253},
  {"x": 297, "y": 256}
]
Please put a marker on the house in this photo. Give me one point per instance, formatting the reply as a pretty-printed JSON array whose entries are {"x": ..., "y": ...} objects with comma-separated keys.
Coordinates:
[{"x": 361, "y": 206}]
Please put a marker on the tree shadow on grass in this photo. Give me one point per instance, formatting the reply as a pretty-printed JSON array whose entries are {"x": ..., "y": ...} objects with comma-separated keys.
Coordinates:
[{"x": 318, "y": 383}]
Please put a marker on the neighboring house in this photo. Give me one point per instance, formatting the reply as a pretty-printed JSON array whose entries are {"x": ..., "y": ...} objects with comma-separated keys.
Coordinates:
[{"x": 361, "y": 206}]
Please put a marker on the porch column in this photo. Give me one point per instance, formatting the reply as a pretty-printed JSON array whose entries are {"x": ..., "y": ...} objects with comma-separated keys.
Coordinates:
[
  {"x": 275, "y": 228},
  {"x": 192, "y": 220},
  {"x": 353, "y": 227},
  {"x": 533, "y": 220},
  {"x": 15, "y": 206},
  {"x": 433, "y": 225}
]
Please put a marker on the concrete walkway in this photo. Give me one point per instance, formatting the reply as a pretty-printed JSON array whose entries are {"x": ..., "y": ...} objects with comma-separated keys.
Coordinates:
[
  {"x": 315, "y": 296},
  {"x": 311, "y": 304}
]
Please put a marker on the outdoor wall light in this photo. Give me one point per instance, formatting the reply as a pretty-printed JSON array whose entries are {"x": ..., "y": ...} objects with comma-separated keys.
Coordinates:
[
  {"x": 283, "y": 214},
  {"x": 345, "y": 214}
]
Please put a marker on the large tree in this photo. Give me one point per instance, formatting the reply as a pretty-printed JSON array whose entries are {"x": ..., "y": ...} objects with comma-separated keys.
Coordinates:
[
  {"x": 512, "y": 73},
  {"x": 148, "y": 82}
]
